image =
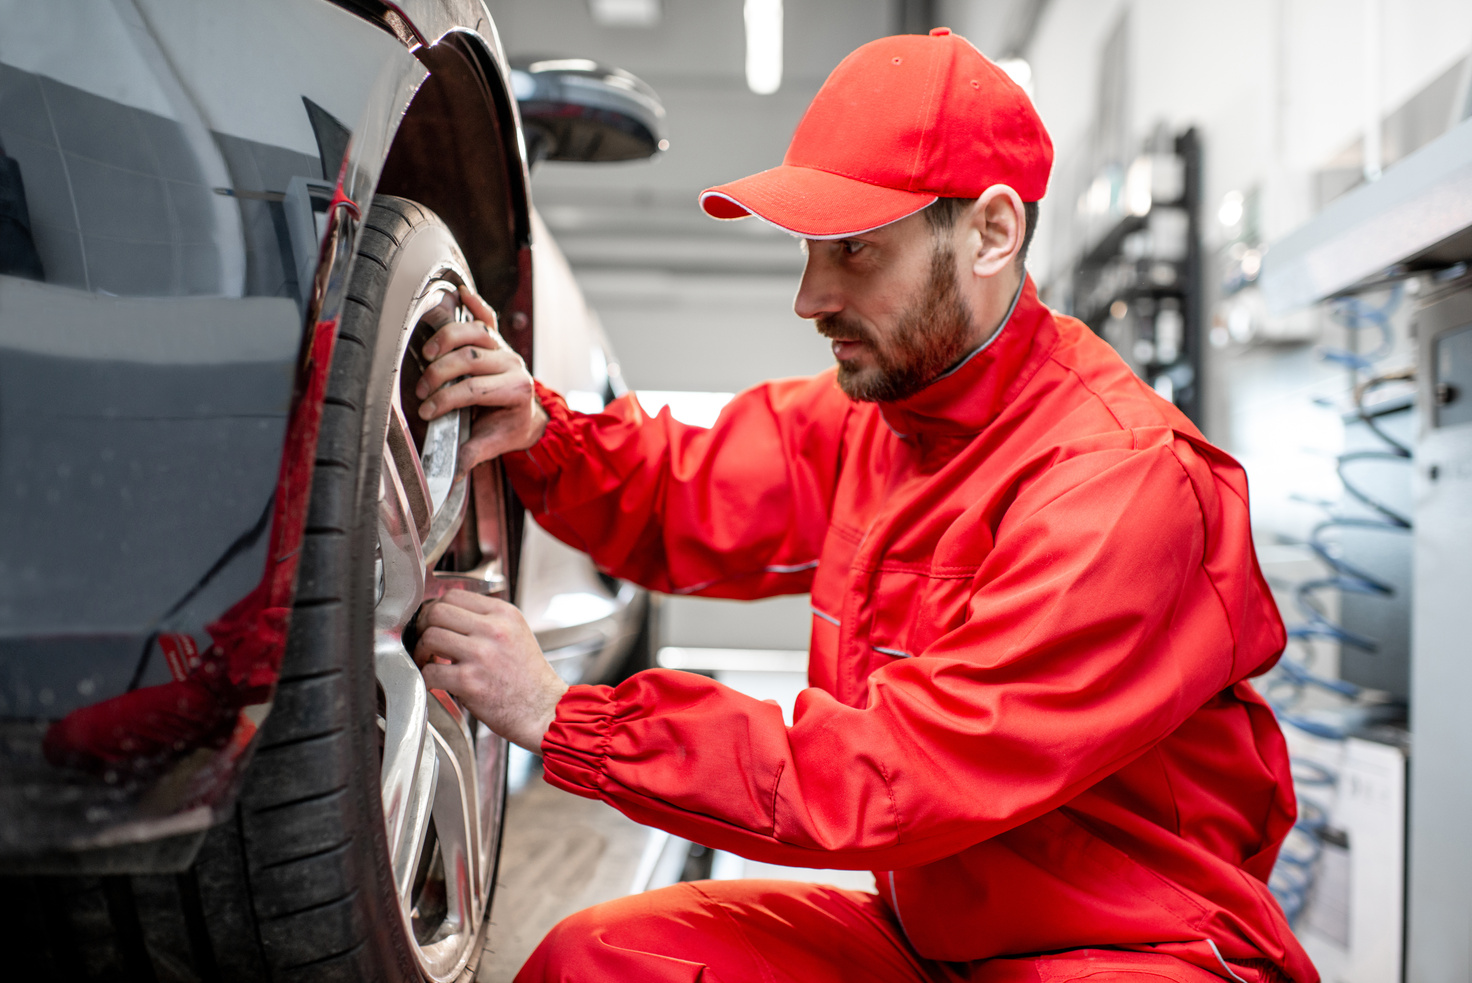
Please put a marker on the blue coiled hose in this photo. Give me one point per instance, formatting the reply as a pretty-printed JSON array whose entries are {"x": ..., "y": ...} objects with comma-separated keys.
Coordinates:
[{"x": 1293, "y": 875}]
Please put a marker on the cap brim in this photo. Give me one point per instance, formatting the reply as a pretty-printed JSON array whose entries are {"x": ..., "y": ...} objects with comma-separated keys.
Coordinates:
[{"x": 811, "y": 203}]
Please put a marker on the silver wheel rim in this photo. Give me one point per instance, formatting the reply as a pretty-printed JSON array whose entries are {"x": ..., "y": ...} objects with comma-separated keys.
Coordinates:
[{"x": 436, "y": 768}]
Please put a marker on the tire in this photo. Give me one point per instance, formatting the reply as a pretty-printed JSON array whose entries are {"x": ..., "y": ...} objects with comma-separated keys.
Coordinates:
[{"x": 298, "y": 884}]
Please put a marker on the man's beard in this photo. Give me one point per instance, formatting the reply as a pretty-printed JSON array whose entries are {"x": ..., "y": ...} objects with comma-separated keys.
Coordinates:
[{"x": 930, "y": 337}]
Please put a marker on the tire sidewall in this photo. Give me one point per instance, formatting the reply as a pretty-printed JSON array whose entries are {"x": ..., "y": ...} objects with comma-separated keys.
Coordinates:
[{"x": 381, "y": 302}]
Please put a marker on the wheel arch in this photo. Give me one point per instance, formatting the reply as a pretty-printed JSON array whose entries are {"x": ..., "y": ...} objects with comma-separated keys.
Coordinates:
[{"x": 458, "y": 151}]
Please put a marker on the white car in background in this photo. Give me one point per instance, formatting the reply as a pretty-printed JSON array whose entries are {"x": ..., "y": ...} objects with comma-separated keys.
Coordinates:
[{"x": 590, "y": 625}]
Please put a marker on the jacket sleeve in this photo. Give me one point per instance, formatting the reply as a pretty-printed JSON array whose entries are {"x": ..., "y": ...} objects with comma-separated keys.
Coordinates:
[
  {"x": 738, "y": 510},
  {"x": 1095, "y": 628}
]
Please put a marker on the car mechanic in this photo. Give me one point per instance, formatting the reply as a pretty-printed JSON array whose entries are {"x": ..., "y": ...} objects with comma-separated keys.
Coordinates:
[{"x": 1036, "y": 602}]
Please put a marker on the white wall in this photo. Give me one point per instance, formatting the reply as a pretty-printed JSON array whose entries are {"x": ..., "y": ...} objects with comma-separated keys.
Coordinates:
[
  {"x": 1276, "y": 86},
  {"x": 705, "y": 333},
  {"x": 689, "y": 303}
]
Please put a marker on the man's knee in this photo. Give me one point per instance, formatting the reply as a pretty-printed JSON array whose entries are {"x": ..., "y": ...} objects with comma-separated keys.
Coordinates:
[
  {"x": 636, "y": 937},
  {"x": 563, "y": 953}
]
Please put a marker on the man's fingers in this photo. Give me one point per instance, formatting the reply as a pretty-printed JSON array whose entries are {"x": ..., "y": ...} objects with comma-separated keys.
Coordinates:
[
  {"x": 490, "y": 391},
  {"x": 451, "y": 627},
  {"x": 466, "y": 360},
  {"x": 463, "y": 614},
  {"x": 457, "y": 610},
  {"x": 479, "y": 603},
  {"x": 440, "y": 676},
  {"x": 457, "y": 333},
  {"x": 470, "y": 600},
  {"x": 478, "y": 306},
  {"x": 491, "y": 437},
  {"x": 442, "y": 643}
]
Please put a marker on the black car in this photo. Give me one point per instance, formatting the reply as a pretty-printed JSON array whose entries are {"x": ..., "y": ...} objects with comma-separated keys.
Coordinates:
[{"x": 225, "y": 230}]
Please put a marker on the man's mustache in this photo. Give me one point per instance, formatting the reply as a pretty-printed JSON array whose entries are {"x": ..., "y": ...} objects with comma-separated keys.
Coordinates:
[{"x": 841, "y": 329}]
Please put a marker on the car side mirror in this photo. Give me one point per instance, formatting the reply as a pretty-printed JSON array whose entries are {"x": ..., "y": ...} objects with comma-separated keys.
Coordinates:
[{"x": 577, "y": 109}]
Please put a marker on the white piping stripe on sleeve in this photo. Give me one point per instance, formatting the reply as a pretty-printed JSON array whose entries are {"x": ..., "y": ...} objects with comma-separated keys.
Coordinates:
[
  {"x": 895, "y": 897},
  {"x": 826, "y": 617},
  {"x": 1219, "y": 959},
  {"x": 894, "y": 652},
  {"x": 693, "y": 587},
  {"x": 776, "y": 568},
  {"x": 791, "y": 568}
]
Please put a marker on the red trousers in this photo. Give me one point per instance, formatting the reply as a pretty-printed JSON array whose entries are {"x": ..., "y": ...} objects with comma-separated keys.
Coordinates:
[{"x": 779, "y": 931}]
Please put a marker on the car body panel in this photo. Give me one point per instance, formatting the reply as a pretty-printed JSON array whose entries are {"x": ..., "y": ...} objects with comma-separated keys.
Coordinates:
[
  {"x": 191, "y": 175},
  {"x": 182, "y": 163}
]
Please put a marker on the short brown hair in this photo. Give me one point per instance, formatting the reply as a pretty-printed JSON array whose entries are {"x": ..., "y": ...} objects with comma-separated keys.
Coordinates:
[{"x": 943, "y": 212}]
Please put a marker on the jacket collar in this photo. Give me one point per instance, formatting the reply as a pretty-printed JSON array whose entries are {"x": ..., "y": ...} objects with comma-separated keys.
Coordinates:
[{"x": 966, "y": 398}]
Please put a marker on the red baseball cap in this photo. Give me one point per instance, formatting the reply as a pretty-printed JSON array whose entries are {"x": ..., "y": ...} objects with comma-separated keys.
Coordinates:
[{"x": 901, "y": 122}]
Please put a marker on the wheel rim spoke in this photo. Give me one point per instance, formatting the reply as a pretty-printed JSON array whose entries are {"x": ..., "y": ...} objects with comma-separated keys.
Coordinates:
[
  {"x": 399, "y": 450},
  {"x": 434, "y": 818},
  {"x": 455, "y": 819},
  {"x": 402, "y": 557}
]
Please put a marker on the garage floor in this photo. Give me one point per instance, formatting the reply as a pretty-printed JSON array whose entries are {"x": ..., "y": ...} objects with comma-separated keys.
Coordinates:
[{"x": 561, "y": 853}]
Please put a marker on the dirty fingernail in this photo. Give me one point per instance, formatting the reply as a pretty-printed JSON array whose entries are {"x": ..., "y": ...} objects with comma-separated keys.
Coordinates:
[
  {"x": 431, "y": 349},
  {"x": 426, "y": 409},
  {"x": 421, "y": 390}
]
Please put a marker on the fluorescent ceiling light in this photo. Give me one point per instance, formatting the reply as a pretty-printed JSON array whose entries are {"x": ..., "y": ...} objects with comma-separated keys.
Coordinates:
[
  {"x": 764, "y": 46},
  {"x": 625, "y": 13},
  {"x": 563, "y": 65}
]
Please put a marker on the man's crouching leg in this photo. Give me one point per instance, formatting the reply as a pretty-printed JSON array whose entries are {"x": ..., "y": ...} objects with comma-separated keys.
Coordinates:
[{"x": 730, "y": 932}]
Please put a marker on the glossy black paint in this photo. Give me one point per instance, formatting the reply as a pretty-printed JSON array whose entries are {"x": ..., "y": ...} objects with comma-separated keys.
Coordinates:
[{"x": 157, "y": 261}]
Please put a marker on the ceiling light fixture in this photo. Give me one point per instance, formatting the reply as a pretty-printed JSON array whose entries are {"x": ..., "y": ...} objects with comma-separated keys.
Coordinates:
[{"x": 764, "y": 46}]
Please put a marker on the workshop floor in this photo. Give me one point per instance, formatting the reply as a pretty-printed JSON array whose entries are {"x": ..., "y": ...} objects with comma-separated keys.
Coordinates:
[{"x": 562, "y": 853}]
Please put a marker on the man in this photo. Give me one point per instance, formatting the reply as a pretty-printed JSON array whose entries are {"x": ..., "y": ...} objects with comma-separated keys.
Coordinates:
[{"x": 1035, "y": 601}]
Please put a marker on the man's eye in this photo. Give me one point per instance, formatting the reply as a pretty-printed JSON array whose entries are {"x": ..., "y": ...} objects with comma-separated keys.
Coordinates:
[{"x": 851, "y": 246}]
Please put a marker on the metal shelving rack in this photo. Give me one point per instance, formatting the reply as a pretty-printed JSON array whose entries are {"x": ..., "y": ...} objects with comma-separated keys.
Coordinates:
[{"x": 1117, "y": 280}]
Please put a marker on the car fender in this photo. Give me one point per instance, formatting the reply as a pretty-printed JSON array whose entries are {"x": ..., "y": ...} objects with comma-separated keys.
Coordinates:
[{"x": 155, "y": 448}]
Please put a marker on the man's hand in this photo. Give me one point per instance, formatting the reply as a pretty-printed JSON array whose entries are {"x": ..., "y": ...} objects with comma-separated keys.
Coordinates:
[
  {"x": 481, "y": 650},
  {"x": 495, "y": 379}
]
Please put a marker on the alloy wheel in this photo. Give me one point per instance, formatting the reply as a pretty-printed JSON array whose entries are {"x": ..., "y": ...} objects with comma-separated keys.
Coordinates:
[{"x": 441, "y": 769}]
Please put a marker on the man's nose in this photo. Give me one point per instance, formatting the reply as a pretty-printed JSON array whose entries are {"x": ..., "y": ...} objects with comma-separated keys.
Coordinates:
[{"x": 817, "y": 294}]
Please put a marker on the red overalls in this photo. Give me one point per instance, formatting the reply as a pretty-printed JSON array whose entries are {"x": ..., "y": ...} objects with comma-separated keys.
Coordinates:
[{"x": 1035, "y": 606}]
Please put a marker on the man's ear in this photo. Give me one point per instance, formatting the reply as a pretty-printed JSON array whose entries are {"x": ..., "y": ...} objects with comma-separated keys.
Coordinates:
[{"x": 996, "y": 230}]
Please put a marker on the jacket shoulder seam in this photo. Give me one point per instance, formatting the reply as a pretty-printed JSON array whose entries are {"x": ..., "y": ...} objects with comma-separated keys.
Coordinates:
[
  {"x": 1083, "y": 383},
  {"x": 1216, "y": 590},
  {"x": 933, "y": 571},
  {"x": 893, "y": 803}
]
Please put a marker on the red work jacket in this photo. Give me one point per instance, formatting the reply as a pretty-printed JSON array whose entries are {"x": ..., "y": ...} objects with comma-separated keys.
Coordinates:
[{"x": 1035, "y": 607}]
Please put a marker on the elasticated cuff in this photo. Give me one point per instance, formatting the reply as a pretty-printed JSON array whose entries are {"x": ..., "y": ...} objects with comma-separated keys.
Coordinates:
[
  {"x": 531, "y": 469},
  {"x": 575, "y": 746}
]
